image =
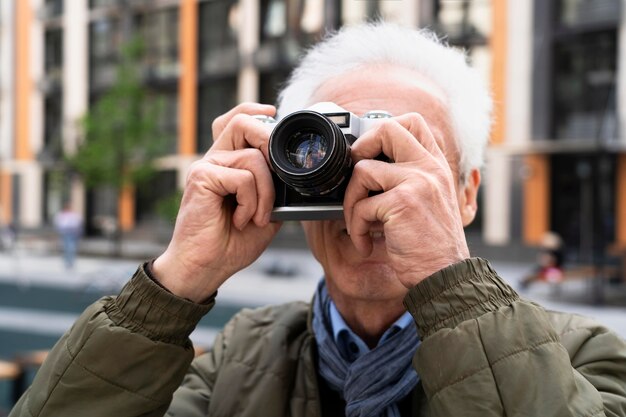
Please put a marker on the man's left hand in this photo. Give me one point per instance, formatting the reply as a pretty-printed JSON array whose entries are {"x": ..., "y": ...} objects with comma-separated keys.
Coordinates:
[{"x": 418, "y": 206}]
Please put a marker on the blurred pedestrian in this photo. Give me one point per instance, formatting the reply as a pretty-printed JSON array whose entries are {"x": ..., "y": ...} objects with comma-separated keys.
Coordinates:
[
  {"x": 8, "y": 237},
  {"x": 550, "y": 260},
  {"x": 69, "y": 225}
]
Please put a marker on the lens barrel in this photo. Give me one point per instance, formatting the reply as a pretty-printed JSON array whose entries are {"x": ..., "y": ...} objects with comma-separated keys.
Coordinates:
[{"x": 309, "y": 153}]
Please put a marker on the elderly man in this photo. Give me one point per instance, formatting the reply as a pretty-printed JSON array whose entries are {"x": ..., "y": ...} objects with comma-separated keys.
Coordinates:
[{"x": 404, "y": 323}]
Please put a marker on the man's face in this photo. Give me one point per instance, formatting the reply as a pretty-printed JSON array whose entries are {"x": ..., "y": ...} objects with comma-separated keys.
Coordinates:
[{"x": 398, "y": 91}]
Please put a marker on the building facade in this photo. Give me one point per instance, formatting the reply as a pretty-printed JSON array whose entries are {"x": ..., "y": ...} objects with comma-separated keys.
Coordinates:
[
  {"x": 555, "y": 68},
  {"x": 558, "y": 161}
]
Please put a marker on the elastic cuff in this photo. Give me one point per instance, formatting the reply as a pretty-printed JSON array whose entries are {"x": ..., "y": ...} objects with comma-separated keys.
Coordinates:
[
  {"x": 148, "y": 308},
  {"x": 460, "y": 292}
]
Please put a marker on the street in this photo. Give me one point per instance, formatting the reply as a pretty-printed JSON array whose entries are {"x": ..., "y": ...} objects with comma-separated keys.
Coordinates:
[{"x": 39, "y": 299}]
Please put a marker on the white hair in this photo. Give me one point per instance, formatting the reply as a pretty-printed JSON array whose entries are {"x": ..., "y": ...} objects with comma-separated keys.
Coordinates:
[{"x": 467, "y": 99}]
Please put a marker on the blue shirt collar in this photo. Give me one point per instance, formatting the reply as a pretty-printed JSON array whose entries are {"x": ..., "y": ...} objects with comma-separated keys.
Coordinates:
[{"x": 349, "y": 343}]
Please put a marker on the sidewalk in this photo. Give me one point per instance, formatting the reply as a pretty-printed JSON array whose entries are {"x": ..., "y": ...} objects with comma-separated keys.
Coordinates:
[{"x": 279, "y": 275}]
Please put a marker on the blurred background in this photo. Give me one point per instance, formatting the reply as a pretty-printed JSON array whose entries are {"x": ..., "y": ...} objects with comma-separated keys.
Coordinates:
[{"x": 104, "y": 104}]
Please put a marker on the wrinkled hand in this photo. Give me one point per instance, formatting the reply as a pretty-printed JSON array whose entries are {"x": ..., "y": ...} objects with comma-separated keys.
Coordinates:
[
  {"x": 223, "y": 223},
  {"x": 418, "y": 206}
]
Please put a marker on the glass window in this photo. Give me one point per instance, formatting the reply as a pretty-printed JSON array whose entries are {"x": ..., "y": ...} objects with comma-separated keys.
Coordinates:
[
  {"x": 216, "y": 97},
  {"x": 301, "y": 20},
  {"x": 584, "y": 87},
  {"x": 167, "y": 120},
  {"x": 56, "y": 192},
  {"x": 270, "y": 84},
  {"x": 583, "y": 202},
  {"x": 53, "y": 148},
  {"x": 218, "y": 23},
  {"x": 53, "y": 8},
  {"x": 148, "y": 197},
  {"x": 97, "y": 4},
  {"x": 575, "y": 12},
  {"x": 463, "y": 22},
  {"x": 53, "y": 57},
  {"x": 101, "y": 210},
  {"x": 159, "y": 32},
  {"x": 104, "y": 46}
]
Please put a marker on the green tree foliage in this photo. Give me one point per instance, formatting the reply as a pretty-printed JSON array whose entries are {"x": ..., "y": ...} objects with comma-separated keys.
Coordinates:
[
  {"x": 121, "y": 134},
  {"x": 168, "y": 207}
]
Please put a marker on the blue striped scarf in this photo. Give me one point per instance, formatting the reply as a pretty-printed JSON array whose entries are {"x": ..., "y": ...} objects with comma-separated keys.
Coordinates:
[{"x": 373, "y": 384}]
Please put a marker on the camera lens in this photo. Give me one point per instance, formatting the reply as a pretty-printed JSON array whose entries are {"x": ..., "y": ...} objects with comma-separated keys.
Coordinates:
[
  {"x": 309, "y": 153},
  {"x": 306, "y": 149}
]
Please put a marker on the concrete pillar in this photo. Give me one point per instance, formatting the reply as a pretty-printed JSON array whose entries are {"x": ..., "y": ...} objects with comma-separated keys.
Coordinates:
[
  {"x": 513, "y": 76},
  {"x": 497, "y": 197},
  {"x": 30, "y": 194},
  {"x": 6, "y": 81},
  {"x": 248, "y": 80},
  {"x": 519, "y": 73},
  {"x": 75, "y": 85},
  {"x": 75, "y": 70},
  {"x": 405, "y": 12}
]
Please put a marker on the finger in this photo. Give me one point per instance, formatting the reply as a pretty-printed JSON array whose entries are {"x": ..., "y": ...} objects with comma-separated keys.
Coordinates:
[
  {"x": 251, "y": 160},
  {"x": 405, "y": 138},
  {"x": 370, "y": 175},
  {"x": 224, "y": 181},
  {"x": 219, "y": 124},
  {"x": 243, "y": 131},
  {"x": 419, "y": 128},
  {"x": 365, "y": 213}
]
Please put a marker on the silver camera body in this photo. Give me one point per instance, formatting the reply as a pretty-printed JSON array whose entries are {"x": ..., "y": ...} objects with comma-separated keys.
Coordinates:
[{"x": 309, "y": 152}]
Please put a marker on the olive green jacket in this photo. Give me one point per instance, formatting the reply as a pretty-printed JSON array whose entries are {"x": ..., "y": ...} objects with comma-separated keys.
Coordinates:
[{"x": 484, "y": 352}]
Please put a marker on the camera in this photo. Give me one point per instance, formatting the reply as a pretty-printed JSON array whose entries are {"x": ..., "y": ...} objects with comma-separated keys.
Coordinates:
[{"x": 309, "y": 152}]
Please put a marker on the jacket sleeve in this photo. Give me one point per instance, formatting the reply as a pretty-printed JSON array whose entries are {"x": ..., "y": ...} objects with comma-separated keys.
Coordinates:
[
  {"x": 124, "y": 356},
  {"x": 486, "y": 352},
  {"x": 193, "y": 397}
]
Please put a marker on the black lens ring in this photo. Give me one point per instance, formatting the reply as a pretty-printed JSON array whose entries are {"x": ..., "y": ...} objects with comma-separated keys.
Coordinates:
[
  {"x": 286, "y": 129},
  {"x": 325, "y": 176}
]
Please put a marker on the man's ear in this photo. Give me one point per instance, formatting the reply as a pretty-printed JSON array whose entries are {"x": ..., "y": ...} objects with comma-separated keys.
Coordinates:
[{"x": 468, "y": 194}]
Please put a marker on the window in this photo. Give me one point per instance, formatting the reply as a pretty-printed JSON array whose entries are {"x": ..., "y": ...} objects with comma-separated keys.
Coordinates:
[
  {"x": 167, "y": 121},
  {"x": 583, "y": 204},
  {"x": 218, "y": 22},
  {"x": 53, "y": 58},
  {"x": 148, "y": 197},
  {"x": 104, "y": 45},
  {"x": 270, "y": 84},
  {"x": 97, "y": 4},
  {"x": 56, "y": 192},
  {"x": 463, "y": 22},
  {"x": 53, "y": 147},
  {"x": 584, "y": 86},
  {"x": 577, "y": 12},
  {"x": 52, "y": 8},
  {"x": 159, "y": 32},
  {"x": 301, "y": 20},
  {"x": 467, "y": 25},
  {"x": 216, "y": 97}
]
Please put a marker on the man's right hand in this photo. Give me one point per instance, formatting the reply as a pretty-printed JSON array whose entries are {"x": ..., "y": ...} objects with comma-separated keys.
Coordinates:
[{"x": 223, "y": 223}]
